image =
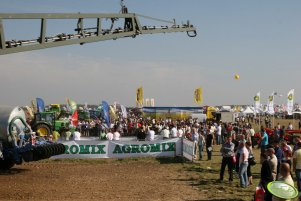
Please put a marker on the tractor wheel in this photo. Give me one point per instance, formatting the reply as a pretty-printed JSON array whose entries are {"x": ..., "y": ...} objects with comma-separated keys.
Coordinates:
[{"x": 43, "y": 130}]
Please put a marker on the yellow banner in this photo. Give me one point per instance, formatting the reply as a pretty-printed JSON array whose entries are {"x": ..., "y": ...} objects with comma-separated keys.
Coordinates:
[
  {"x": 139, "y": 96},
  {"x": 198, "y": 95}
]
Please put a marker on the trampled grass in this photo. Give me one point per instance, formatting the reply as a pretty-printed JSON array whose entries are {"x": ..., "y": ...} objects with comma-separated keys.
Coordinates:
[{"x": 207, "y": 174}]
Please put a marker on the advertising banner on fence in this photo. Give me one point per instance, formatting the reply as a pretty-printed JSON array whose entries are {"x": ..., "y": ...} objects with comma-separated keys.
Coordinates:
[
  {"x": 85, "y": 149},
  {"x": 188, "y": 150},
  {"x": 119, "y": 149}
]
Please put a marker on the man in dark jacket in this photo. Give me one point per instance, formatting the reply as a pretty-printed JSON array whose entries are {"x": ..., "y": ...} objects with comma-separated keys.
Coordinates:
[{"x": 265, "y": 175}]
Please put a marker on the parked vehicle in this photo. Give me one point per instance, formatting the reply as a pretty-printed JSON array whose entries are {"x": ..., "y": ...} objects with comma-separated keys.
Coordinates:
[{"x": 18, "y": 142}]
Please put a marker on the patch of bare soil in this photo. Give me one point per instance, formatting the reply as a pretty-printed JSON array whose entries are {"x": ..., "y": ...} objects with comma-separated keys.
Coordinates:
[{"x": 149, "y": 179}]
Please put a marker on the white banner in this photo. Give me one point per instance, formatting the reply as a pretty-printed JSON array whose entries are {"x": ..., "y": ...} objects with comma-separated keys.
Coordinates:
[
  {"x": 257, "y": 103},
  {"x": 188, "y": 149},
  {"x": 290, "y": 102},
  {"x": 160, "y": 148},
  {"x": 85, "y": 149},
  {"x": 271, "y": 104},
  {"x": 119, "y": 149}
]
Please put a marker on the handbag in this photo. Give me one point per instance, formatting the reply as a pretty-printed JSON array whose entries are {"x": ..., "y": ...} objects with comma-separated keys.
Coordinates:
[
  {"x": 259, "y": 193},
  {"x": 252, "y": 161}
]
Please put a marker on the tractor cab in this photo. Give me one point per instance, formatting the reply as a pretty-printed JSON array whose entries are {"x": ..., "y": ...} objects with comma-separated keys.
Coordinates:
[{"x": 45, "y": 123}]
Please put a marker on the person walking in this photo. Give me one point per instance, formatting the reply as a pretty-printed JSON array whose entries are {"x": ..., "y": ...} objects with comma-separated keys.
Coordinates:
[
  {"x": 243, "y": 164},
  {"x": 251, "y": 157},
  {"x": 227, "y": 151},
  {"x": 218, "y": 134},
  {"x": 195, "y": 139},
  {"x": 201, "y": 142},
  {"x": 209, "y": 143}
]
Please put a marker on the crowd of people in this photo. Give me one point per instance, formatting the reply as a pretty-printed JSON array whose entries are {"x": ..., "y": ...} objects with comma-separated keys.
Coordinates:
[
  {"x": 277, "y": 158},
  {"x": 237, "y": 140}
]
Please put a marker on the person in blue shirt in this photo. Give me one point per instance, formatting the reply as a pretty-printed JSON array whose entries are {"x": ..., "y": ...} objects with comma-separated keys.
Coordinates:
[{"x": 264, "y": 140}]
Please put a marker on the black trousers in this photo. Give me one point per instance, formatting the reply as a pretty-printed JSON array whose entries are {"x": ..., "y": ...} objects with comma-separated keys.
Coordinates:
[{"x": 227, "y": 161}]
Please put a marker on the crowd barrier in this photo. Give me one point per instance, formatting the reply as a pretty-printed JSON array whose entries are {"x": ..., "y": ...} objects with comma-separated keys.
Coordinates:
[
  {"x": 122, "y": 149},
  {"x": 188, "y": 149}
]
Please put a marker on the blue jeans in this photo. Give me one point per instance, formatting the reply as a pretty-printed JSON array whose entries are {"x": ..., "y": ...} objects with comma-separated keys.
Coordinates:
[
  {"x": 200, "y": 151},
  {"x": 243, "y": 176},
  {"x": 218, "y": 139}
]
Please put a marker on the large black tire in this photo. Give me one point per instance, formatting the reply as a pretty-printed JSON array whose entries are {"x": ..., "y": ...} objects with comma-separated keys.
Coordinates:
[{"x": 43, "y": 129}]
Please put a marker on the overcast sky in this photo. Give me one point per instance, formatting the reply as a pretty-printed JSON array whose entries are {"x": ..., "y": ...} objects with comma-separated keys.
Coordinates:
[{"x": 259, "y": 40}]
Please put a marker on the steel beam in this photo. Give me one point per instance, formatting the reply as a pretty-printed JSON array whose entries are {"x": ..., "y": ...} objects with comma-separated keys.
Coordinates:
[
  {"x": 132, "y": 28},
  {"x": 2, "y": 39}
]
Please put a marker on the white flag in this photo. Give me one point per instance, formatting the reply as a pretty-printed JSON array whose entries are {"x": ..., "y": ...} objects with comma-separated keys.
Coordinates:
[
  {"x": 257, "y": 103},
  {"x": 124, "y": 112},
  {"x": 271, "y": 104},
  {"x": 290, "y": 102}
]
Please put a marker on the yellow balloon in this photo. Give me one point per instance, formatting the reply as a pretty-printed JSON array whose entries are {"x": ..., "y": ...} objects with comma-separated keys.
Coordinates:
[{"x": 236, "y": 76}]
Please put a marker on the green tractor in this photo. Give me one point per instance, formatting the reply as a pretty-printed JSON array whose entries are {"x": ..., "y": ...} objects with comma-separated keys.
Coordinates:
[{"x": 46, "y": 122}]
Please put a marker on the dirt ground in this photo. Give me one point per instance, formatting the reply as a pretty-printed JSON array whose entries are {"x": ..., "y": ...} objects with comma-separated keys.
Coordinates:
[{"x": 100, "y": 179}]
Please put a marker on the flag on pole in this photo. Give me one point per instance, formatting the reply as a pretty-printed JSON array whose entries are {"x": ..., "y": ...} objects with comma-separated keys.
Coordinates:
[
  {"x": 290, "y": 102},
  {"x": 74, "y": 119},
  {"x": 152, "y": 102},
  {"x": 198, "y": 95},
  {"x": 72, "y": 106},
  {"x": 106, "y": 113},
  {"x": 257, "y": 103},
  {"x": 271, "y": 104},
  {"x": 139, "y": 96},
  {"x": 40, "y": 104},
  {"x": 112, "y": 112},
  {"x": 124, "y": 112}
]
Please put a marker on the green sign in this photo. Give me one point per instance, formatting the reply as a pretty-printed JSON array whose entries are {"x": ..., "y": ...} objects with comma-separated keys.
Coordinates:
[
  {"x": 256, "y": 98},
  {"x": 282, "y": 190}
]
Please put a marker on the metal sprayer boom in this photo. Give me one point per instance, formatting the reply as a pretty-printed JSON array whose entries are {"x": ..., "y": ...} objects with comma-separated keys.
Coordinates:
[{"x": 81, "y": 34}]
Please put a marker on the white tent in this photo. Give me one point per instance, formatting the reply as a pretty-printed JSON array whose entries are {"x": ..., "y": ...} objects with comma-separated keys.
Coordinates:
[{"x": 248, "y": 110}]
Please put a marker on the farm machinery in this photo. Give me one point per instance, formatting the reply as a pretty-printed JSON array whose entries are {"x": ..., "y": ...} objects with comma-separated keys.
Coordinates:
[
  {"x": 53, "y": 120},
  {"x": 19, "y": 143}
]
